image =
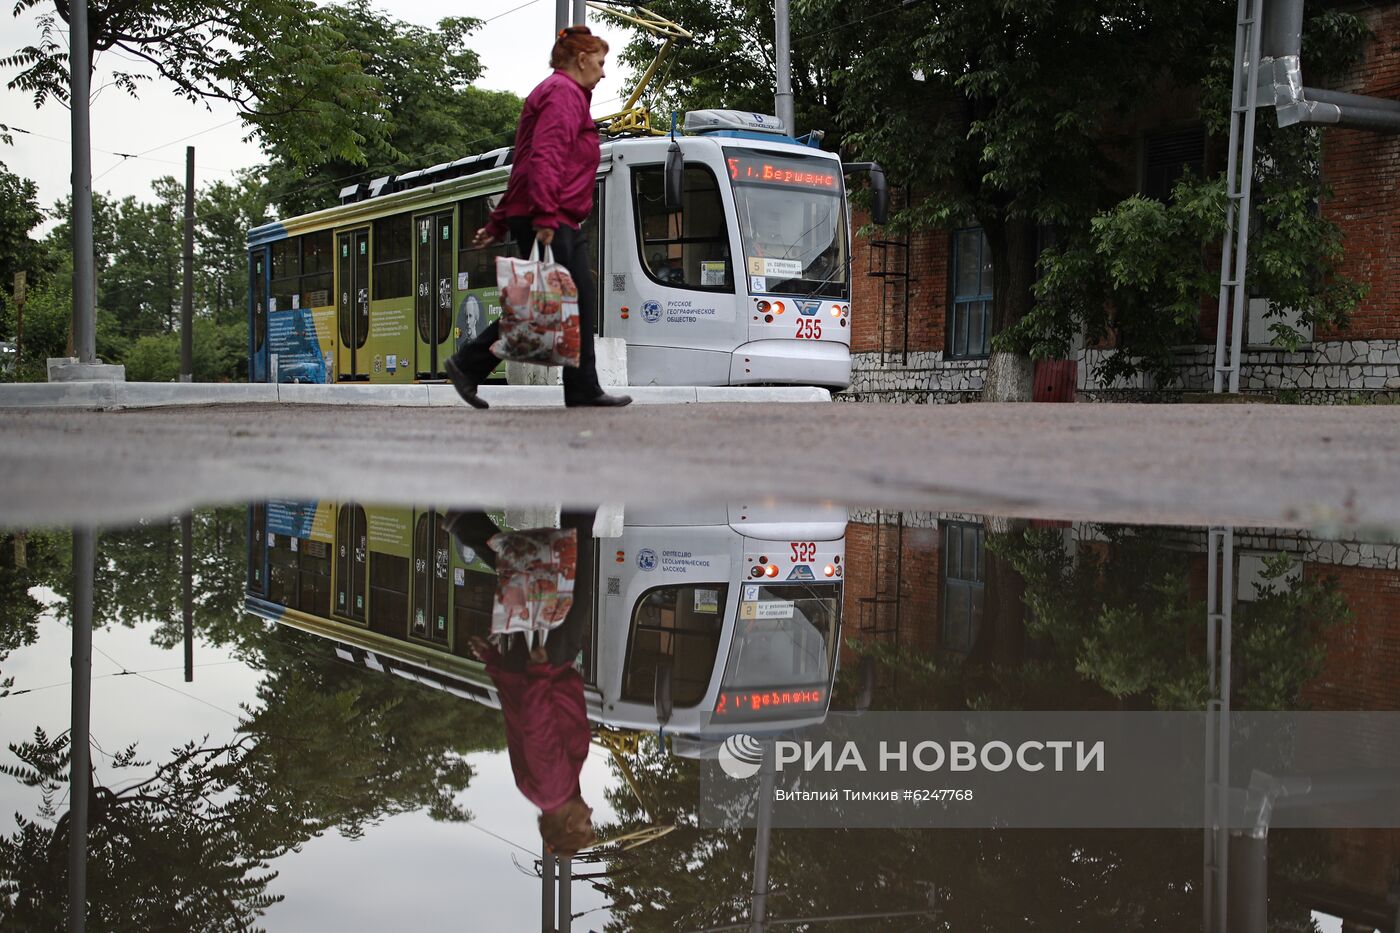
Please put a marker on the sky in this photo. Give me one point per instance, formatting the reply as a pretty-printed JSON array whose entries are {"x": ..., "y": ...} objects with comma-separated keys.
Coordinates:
[{"x": 513, "y": 45}]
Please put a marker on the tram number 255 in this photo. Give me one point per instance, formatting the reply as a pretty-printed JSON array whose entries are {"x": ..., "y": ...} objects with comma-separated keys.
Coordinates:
[
  {"x": 804, "y": 551},
  {"x": 809, "y": 328}
]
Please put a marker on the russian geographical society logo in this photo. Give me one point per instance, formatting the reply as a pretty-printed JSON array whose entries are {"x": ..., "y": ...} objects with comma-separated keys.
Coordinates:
[
  {"x": 646, "y": 559},
  {"x": 741, "y": 756},
  {"x": 651, "y": 312}
]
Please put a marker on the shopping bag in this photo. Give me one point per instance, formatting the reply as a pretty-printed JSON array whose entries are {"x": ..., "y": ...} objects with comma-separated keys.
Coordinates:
[
  {"x": 535, "y": 573},
  {"x": 539, "y": 310}
]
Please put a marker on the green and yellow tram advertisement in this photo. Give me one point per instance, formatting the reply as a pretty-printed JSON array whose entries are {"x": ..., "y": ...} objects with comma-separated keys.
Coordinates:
[{"x": 378, "y": 291}]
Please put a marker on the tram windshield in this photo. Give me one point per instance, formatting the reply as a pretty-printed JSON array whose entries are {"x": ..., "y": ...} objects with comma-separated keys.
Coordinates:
[
  {"x": 783, "y": 648},
  {"x": 793, "y": 222}
]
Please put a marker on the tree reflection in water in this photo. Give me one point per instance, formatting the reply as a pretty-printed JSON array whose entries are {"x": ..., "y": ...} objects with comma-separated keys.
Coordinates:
[{"x": 186, "y": 841}]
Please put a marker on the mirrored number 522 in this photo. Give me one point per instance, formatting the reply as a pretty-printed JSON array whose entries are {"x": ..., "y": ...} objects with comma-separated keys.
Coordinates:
[{"x": 809, "y": 328}]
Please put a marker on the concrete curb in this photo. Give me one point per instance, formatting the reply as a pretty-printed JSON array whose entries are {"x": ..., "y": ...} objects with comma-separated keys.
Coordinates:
[{"x": 107, "y": 395}]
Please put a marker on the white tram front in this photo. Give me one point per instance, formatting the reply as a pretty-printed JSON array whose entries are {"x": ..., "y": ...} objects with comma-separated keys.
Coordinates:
[{"x": 748, "y": 280}]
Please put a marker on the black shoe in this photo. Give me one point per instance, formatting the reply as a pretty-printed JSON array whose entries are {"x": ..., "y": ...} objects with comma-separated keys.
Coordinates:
[
  {"x": 603, "y": 400},
  {"x": 464, "y": 386}
]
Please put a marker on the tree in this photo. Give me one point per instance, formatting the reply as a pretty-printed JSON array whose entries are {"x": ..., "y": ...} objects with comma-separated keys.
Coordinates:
[
  {"x": 432, "y": 112},
  {"x": 730, "y": 62},
  {"x": 1016, "y": 117},
  {"x": 298, "y": 86},
  {"x": 224, "y": 213},
  {"x": 1141, "y": 269}
]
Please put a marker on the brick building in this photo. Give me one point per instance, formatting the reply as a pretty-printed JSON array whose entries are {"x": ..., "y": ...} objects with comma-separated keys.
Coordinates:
[{"x": 930, "y": 344}]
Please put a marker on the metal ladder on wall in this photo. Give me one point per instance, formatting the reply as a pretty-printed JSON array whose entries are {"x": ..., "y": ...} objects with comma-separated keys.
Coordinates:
[
  {"x": 1239, "y": 182},
  {"x": 880, "y": 613},
  {"x": 892, "y": 269}
]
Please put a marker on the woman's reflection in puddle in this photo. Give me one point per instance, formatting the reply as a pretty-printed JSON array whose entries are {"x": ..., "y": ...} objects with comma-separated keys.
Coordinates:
[{"x": 541, "y": 694}]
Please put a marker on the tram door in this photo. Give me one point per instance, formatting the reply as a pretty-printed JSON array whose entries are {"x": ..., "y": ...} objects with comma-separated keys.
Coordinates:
[
  {"x": 432, "y": 261},
  {"x": 351, "y": 549},
  {"x": 352, "y": 304},
  {"x": 257, "y": 340},
  {"x": 432, "y": 581}
]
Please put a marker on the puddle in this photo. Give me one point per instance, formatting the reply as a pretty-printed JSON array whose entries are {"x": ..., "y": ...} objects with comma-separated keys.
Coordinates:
[{"x": 324, "y": 746}]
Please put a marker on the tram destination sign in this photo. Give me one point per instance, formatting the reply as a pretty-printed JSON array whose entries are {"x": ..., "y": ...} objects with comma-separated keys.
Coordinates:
[{"x": 787, "y": 173}]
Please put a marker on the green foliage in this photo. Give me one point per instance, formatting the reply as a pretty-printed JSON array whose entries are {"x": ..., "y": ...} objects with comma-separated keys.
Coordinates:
[
  {"x": 224, "y": 213},
  {"x": 1123, "y": 618},
  {"x": 273, "y": 59},
  {"x": 730, "y": 61},
  {"x": 19, "y": 214},
  {"x": 432, "y": 112},
  {"x": 1141, "y": 270},
  {"x": 220, "y": 354}
]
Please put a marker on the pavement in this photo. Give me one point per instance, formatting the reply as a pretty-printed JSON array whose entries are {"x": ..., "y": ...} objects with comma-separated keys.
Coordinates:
[{"x": 1242, "y": 465}]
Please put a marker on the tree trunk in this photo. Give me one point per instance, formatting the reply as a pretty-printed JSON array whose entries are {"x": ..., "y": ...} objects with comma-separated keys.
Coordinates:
[{"x": 1014, "y": 249}]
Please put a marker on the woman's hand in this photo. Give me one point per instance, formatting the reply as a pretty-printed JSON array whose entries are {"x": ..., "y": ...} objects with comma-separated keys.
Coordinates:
[
  {"x": 545, "y": 235},
  {"x": 482, "y": 238}
]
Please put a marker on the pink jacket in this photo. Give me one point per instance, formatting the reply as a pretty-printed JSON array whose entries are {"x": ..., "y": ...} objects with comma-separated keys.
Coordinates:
[
  {"x": 546, "y": 729},
  {"x": 555, "y": 160}
]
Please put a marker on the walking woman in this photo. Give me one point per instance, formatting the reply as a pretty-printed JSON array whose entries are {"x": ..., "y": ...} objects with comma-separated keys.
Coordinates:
[{"x": 549, "y": 195}]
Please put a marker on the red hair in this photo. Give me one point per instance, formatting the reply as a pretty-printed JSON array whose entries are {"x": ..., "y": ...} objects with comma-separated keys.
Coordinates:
[{"x": 574, "y": 41}]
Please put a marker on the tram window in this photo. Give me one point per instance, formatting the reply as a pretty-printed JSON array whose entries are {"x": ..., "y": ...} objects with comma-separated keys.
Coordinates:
[
  {"x": 316, "y": 259},
  {"x": 679, "y": 624},
  {"x": 688, "y": 248},
  {"x": 480, "y": 264},
  {"x": 393, "y": 257},
  {"x": 286, "y": 273}
]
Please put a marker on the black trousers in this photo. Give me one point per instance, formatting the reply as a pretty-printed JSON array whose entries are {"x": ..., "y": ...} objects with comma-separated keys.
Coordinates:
[{"x": 571, "y": 251}]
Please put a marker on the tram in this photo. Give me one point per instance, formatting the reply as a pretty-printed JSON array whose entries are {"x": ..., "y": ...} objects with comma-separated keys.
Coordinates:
[
  {"x": 722, "y": 256},
  {"x": 703, "y": 622}
]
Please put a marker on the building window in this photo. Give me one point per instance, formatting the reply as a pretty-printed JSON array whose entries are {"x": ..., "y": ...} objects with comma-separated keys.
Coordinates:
[
  {"x": 1166, "y": 156},
  {"x": 970, "y": 318},
  {"x": 963, "y": 585}
]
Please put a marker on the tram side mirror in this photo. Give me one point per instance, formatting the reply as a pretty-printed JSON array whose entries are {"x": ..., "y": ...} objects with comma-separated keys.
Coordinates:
[
  {"x": 675, "y": 177},
  {"x": 879, "y": 189}
]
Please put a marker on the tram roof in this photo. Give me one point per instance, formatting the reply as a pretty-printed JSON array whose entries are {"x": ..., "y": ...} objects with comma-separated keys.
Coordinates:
[{"x": 362, "y": 201}]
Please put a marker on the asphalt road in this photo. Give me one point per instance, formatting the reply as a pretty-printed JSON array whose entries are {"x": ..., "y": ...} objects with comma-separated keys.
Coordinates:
[{"x": 1181, "y": 464}]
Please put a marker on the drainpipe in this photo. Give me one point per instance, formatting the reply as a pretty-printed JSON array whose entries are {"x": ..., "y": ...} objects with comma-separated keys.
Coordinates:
[{"x": 1281, "y": 80}]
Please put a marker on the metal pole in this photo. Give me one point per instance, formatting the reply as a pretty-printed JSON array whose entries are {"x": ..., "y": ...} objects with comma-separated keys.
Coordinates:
[
  {"x": 84, "y": 566},
  {"x": 763, "y": 834},
  {"x": 21, "y": 292},
  {"x": 84, "y": 320},
  {"x": 187, "y": 573},
  {"x": 782, "y": 48},
  {"x": 566, "y": 906},
  {"x": 580, "y": 13},
  {"x": 187, "y": 304},
  {"x": 561, "y": 15},
  {"x": 547, "y": 893}
]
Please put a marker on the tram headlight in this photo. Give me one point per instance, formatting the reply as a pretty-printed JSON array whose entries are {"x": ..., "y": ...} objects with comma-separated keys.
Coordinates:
[
  {"x": 829, "y": 570},
  {"x": 777, "y": 307},
  {"x": 772, "y": 570}
]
